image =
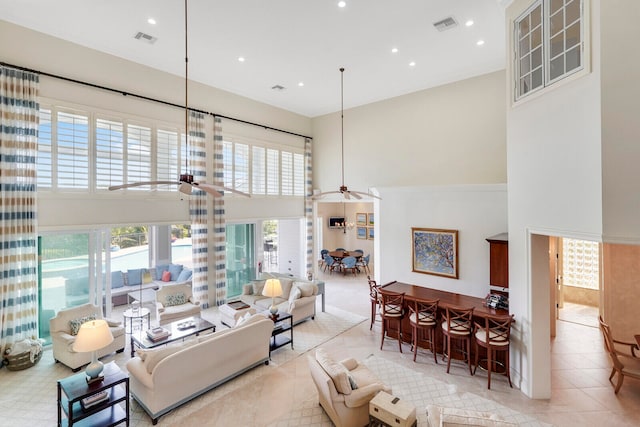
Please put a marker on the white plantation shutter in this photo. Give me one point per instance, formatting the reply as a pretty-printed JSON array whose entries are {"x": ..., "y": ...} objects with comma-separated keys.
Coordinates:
[
  {"x": 287, "y": 173},
  {"x": 298, "y": 174},
  {"x": 273, "y": 172},
  {"x": 227, "y": 162},
  {"x": 73, "y": 150},
  {"x": 258, "y": 172},
  {"x": 167, "y": 159},
  {"x": 241, "y": 167},
  {"x": 45, "y": 160},
  {"x": 138, "y": 154},
  {"x": 581, "y": 263},
  {"x": 109, "y": 153}
]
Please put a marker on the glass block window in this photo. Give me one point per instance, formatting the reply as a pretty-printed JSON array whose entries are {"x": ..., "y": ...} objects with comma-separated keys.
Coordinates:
[{"x": 580, "y": 263}]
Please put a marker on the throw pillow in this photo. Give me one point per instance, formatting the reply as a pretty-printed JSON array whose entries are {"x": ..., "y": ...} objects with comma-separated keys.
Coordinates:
[
  {"x": 185, "y": 275},
  {"x": 74, "y": 324},
  {"x": 335, "y": 370},
  {"x": 242, "y": 320},
  {"x": 117, "y": 279},
  {"x": 146, "y": 276},
  {"x": 306, "y": 288},
  {"x": 352, "y": 382},
  {"x": 176, "y": 299},
  {"x": 258, "y": 285},
  {"x": 175, "y": 270},
  {"x": 166, "y": 276},
  {"x": 286, "y": 284},
  {"x": 295, "y": 294},
  {"x": 135, "y": 277}
]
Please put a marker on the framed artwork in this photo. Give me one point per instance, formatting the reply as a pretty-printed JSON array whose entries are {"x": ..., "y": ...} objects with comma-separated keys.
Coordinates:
[
  {"x": 435, "y": 251},
  {"x": 361, "y": 232},
  {"x": 370, "y": 233},
  {"x": 371, "y": 223},
  {"x": 361, "y": 219}
]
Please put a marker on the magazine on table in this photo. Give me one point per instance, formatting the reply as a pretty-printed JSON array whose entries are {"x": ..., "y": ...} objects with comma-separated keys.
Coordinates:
[{"x": 156, "y": 334}]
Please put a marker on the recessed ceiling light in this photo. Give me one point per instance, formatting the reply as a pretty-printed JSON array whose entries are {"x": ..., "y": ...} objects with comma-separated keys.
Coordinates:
[
  {"x": 151, "y": 21},
  {"x": 412, "y": 64},
  {"x": 301, "y": 84},
  {"x": 480, "y": 42},
  {"x": 241, "y": 58},
  {"x": 394, "y": 50},
  {"x": 342, "y": 3},
  {"x": 469, "y": 23}
]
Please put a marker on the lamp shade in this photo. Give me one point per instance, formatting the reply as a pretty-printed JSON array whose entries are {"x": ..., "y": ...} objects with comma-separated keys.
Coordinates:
[
  {"x": 92, "y": 336},
  {"x": 272, "y": 288}
]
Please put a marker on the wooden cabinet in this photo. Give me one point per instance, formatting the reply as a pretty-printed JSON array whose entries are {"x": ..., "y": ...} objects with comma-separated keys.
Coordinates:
[{"x": 499, "y": 262}]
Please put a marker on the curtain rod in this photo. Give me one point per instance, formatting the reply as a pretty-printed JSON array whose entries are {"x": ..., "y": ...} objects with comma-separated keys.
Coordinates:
[{"x": 147, "y": 98}]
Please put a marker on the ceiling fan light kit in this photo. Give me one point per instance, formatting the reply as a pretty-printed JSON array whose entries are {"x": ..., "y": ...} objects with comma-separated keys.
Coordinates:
[
  {"x": 185, "y": 183},
  {"x": 343, "y": 189}
]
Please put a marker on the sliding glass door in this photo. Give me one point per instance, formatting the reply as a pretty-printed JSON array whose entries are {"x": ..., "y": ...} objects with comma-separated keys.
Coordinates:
[{"x": 241, "y": 259}]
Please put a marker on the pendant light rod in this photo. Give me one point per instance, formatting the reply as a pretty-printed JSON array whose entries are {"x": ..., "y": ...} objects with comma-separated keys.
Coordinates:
[
  {"x": 341, "y": 117},
  {"x": 186, "y": 87}
]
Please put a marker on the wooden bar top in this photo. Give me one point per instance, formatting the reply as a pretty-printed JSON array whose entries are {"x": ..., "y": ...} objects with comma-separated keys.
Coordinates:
[{"x": 446, "y": 298}]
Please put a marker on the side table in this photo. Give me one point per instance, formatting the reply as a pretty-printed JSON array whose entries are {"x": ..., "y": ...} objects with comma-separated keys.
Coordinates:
[
  {"x": 141, "y": 314},
  {"x": 281, "y": 325},
  {"x": 73, "y": 389}
]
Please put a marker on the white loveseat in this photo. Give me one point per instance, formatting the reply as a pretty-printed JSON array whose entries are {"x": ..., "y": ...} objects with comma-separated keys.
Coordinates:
[
  {"x": 62, "y": 339},
  {"x": 298, "y": 297},
  {"x": 173, "y": 375}
]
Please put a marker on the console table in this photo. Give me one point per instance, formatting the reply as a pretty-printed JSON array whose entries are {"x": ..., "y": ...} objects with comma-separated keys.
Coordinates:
[{"x": 73, "y": 389}]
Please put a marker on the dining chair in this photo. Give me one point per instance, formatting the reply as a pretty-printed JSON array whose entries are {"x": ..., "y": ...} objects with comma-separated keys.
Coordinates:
[
  {"x": 323, "y": 253},
  {"x": 457, "y": 326},
  {"x": 493, "y": 335},
  {"x": 330, "y": 263},
  {"x": 349, "y": 263},
  {"x": 392, "y": 310},
  {"x": 375, "y": 300},
  {"x": 364, "y": 263},
  {"x": 625, "y": 362},
  {"x": 423, "y": 317},
  {"x": 340, "y": 249}
]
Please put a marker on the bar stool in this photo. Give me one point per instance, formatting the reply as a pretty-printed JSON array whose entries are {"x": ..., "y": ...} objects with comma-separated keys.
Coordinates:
[
  {"x": 375, "y": 299},
  {"x": 423, "y": 315},
  {"x": 494, "y": 336},
  {"x": 392, "y": 310},
  {"x": 457, "y": 326}
]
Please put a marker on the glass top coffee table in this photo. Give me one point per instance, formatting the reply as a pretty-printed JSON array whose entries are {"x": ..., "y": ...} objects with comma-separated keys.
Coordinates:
[{"x": 179, "y": 329}]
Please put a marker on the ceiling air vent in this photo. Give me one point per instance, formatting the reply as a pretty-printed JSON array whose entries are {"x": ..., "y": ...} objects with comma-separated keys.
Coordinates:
[
  {"x": 145, "y": 37},
  {"x": 445, "y": 24},
  {"x": 278, "y": 88}
]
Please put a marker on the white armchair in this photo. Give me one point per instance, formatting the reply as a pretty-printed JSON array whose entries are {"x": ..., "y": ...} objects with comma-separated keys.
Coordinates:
[
  {"x": 175, "y": 302},
  {"x": 344, "y": 389},
  {"x": 62, "y": 336}
]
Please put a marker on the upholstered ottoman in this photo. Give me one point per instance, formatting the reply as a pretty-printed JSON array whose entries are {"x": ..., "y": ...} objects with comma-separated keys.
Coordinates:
[{"x": 230, "y": 313}]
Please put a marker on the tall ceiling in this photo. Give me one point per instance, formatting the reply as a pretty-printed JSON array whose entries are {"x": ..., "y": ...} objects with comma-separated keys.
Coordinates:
[{"x": 286, "y": 42}]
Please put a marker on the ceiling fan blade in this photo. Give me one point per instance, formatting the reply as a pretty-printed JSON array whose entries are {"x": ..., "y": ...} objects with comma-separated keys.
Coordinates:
[
  {"x": 346, "y": 195},
  {"x": 142, "y": 184},
  {"x": 220, "y": 189},
  {"x": 210, "y": 189},
  {"x": 360, "y": 194},
  {"x": 321, "y": 195}
]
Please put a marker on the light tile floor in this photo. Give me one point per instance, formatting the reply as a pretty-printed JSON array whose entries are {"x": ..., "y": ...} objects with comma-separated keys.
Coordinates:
[{"x": 581, "y": 393}]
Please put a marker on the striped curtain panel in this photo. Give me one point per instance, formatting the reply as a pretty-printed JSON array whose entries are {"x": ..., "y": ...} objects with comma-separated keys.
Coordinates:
[
  {"x": 308, "y": 202},
  {"x": 219, "y": 217},
  {"x": 18, "y": 236},
  {"x": 198, "y": 209}
]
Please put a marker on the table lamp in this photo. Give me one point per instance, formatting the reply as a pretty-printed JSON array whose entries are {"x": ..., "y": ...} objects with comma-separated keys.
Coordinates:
[
  {"x": 93, "y": 336},
  {"x": 273, "y": 289}
]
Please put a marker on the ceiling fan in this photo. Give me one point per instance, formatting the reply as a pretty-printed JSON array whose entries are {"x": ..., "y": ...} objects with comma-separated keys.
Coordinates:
[
  {"x": 343, "y": 189},
  {"x": 185, "y": 182}
]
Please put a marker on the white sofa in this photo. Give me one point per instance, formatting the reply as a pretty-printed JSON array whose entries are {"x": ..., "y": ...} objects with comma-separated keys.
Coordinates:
[
  {"x": 301, "y": 305},
  {"x": 169, "y": 308},
  {"x": 439, "y": 416},
  {"x": 62, "y": 339},
  {"x": 146, "y": 278},
  {"x": 173, "y": 375}
]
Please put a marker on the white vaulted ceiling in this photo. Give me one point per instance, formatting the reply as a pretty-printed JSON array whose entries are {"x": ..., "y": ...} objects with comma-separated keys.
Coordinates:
[{"x": 285, "y": 42}]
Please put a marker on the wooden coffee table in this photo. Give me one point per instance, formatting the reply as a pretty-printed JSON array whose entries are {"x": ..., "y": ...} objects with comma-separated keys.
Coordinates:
[{"x": 140, "y": 339}]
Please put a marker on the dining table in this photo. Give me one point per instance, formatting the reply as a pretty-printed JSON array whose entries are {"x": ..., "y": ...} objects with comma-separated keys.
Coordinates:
[{"x": 340, "y": 255}]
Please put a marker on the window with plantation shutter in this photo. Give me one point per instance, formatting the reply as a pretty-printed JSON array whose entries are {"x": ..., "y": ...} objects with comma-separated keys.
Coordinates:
[
  {"x": 298, "y": 174},
  {"x": 287, "y": 173},
  {"x": 167, "y": 159},
  {"x": 241, "y": 167},
  {"x": 227, "y": 164},
  {"x": 273, "y": 172},
  {"x": 138, "y": 154},
  {"x": 73, "y": 150},
  {"x": 258, "y": 172},
  {"x": 581, "y": 263},
  {"x": 109, "y": 153},
  {"x": 45, "y": 150}
]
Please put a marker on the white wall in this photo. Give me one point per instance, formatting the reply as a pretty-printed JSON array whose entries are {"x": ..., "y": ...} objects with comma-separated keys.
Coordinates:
[
  {"x": 476, "y": 211},
  {"x": 291, "y": 258}
]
